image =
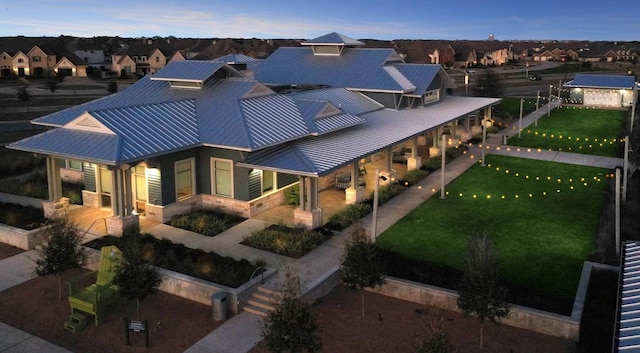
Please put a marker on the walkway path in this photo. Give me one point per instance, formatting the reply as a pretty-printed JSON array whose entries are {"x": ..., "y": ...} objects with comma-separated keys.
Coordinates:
[{"x": 241, "y": 332}]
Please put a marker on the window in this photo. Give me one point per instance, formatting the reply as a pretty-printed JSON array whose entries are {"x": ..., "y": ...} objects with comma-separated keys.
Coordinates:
[
  {"x": 222, "y": 175},
  {"x": 36, "y": 58},
  {"x": 157, "y": 59},
  {"x": 185, "y": 179},
  {"x": 20, "y": 60},
  {"x": 75, "y": 165},
  {"x": 268, "y": 181}
]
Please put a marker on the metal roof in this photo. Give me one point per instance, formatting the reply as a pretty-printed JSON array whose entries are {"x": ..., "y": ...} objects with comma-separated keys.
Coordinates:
[
  {"x": 356, "y": 68},
  {"x": 333, "y": 38},
  {"x": 628, "y": 334},
  {"x": 192, "y": 70},
  {"x": 236, "y": 59},
  {"x": 602, "y": 81},
  {"x": 151, "y": 118},
  {"x": 348, "y": 101},
  {"x": 73, "y": 144},
  {"x": 315, "y": 156},
  {"x": 423, "y": 77}
]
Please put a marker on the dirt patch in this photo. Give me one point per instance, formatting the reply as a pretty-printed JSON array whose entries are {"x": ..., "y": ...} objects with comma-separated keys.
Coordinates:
[
  {"x": 7, "y": 250},
  {"x": 392, "y": 325},
  {"x": 175, "y": 323}
]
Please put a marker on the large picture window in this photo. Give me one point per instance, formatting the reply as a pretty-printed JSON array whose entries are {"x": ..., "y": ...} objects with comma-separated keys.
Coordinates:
[
  {"x": 222, "y": 175},
  {"x": 185, "y": 179}
]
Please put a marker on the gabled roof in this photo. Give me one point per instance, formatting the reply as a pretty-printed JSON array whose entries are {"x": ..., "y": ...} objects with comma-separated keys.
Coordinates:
[
  {"x": 236, "y": 59},
  {"x": 602, "y": 81},
  {"x": 333, "y": 38},
  {"x": 348, "y": 101},
  {"x": 423, "y": 77},
  {"x": 150, "y": 118},
  {"x": 356, "y": 68}
]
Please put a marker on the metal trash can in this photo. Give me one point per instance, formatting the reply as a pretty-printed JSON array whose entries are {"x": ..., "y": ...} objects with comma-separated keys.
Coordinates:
[
  {"x": 219, "y": 306},
  {"x": 505, "y": 139}
]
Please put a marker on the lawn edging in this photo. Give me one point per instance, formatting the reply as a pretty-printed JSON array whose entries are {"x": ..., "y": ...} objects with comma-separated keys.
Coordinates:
[
  {"x": 195, "y": 289},
  {"x": 552, "y": 324},
  {"x": 20, "y": 238}
]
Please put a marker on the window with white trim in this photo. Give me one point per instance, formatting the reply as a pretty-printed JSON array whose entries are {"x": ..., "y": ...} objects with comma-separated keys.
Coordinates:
[
  {"x": 222, "y": 177},
  {"x": 185, "y": 178},
  {"x": 73, "y": 164}
]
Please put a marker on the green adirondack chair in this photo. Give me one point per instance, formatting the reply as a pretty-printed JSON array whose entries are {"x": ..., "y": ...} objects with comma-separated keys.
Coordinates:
[{"x": 95, "y": 298}]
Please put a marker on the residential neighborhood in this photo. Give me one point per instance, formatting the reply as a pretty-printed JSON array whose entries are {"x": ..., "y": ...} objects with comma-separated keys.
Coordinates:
[{"x": 127, "y": 57}]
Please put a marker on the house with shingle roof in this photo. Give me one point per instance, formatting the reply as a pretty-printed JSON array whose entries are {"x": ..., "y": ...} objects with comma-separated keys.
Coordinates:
[{"x": 201, "y": 134}]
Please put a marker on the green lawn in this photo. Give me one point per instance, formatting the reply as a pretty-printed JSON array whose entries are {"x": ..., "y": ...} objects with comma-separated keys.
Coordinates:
[
  {"x": 588, "y": 131},
  {"x": 542, "y": 217}
]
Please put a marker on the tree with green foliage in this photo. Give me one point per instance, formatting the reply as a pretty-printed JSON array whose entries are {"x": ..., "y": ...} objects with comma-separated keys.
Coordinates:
[
  {"x": 135, "y": 278},
  {"x": 61, "y": 250},
  {"x": 52, "y": 80},
  {"x": 362, "y": 266},
  {"x": 435, "y": 338},
  {"x": 22, "y": 93},
  {"x": 112, "y": 86},
  {"x": 489, "y": 84},
  {"x": 291, "y": 327},
  {"x": 480, "y": 294}
]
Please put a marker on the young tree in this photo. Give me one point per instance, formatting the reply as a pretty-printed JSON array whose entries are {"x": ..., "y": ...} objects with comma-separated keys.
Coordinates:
[
  {"x": 135, "y": 278},
  {"x": 489, "y": 84},
  {"x": 22, "y": 93},
  {"x": 52, "y": 81},
  {"x": 479, "y": 292},
  {"x": 60, "y": 251},
  {"x": 112, "y": 87},
  {"x": 435, "y": 339},
  {"x": 291, "y": 327},
  {"x": 362, "y": 266}
]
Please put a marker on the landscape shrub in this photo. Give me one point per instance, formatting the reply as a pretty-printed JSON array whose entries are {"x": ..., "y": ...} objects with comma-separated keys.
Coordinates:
[
  {"x": 281, "y": 240},
  {"x": 348, "y": 215},
  {"x": 208, "y": 266},
  {"x": 205, "y": 222},
  {"x": 387, "y": 192},
  {"x": 24, "y": 217},
  {"x": 415, "y": 175}
]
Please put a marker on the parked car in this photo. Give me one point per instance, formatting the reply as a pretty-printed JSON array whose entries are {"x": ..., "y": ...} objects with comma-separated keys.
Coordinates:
[
  {"x": 535, "y": 77},
  {"x": 470, "y": 71}
]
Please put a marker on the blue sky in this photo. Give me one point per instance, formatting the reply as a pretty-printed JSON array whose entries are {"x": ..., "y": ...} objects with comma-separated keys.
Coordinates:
[{"x": 360, "y": 19}]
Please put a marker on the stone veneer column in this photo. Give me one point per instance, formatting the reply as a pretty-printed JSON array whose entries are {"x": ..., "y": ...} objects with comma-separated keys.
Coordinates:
[{"x": 308, "y": 215}]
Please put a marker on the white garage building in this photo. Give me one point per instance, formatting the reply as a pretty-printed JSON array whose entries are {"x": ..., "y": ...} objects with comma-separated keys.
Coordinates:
[{"x": 603, "y": 91}]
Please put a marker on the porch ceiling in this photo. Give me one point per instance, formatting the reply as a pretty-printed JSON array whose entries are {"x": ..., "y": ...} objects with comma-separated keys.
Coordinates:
[{"x": 318, "y": 156}]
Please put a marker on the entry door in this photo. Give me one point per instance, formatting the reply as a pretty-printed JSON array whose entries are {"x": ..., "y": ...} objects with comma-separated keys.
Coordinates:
[
  {"x": 106, "y": 187},
  {"x": 139, "y": 181}
]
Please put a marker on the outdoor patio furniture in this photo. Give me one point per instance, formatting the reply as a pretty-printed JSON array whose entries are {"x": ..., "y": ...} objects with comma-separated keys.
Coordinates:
[{"x": 94, "y": 298}]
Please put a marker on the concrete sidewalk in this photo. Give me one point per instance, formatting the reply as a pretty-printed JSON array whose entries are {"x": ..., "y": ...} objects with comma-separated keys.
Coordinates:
[{"x": 240, "y": 333}]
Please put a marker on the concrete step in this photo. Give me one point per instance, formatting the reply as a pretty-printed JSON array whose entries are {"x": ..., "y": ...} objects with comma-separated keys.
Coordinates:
[
  {"x": 262, "y": 303},
  {"x": 256, "y": 311}
]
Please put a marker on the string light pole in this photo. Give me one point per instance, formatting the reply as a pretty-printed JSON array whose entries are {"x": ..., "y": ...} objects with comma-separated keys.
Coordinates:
[
  {"x": 466, "y": 84},
  {"x": 520, "y": 120},
  {"x": 617, "y": 213},
  {"x": 374, "y": 214},
  {"x": 625, "y": 168},
  {"x": 442, "y": 165},
  {"x": 549, "y": 104},
  {"x": 485, "y": 122}
]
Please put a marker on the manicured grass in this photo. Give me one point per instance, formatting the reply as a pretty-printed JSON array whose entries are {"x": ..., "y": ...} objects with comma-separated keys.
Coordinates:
[
  {"x": 588, "y": 131},
  {"x": 512, "y": 106},
  {"x": 542, "y": 236}
]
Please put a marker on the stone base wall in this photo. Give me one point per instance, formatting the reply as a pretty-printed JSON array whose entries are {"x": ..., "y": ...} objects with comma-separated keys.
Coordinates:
[
  {"x": 117, "y": 225},
  {"x": 90, "y": 199},
  {"x": 307, "y": 219},
  {"x": 20, "y": 238}
]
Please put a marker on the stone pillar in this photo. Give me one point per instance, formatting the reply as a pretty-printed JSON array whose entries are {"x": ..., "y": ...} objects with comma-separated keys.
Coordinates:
[
  {"x": 309, "y": 217},
  {"x": 354, "y": 195}
]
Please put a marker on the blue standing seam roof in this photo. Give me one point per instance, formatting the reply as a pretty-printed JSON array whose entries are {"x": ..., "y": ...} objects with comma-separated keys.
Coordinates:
[
  {"x": 333, "y": 38},
  {"x": 602, "y": 81},
  {"x": 355, "y": 68},
  {"x": 350, "y": 102},
  {"x": 197, "y": 71},
  {"x": 628, "y": 335}
]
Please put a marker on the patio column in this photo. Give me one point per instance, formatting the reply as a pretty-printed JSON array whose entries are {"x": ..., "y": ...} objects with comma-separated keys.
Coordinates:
[
  {"x": 121, "y": 202},
  {"x": 415, "y": 161},
  {"x": 355, "y": 193},
  {"x": 303, "y": 192},
  {"x": 308, "y": 216},
  {"x": 435, "y": 136},
  {"x": 54, "y": 181}
]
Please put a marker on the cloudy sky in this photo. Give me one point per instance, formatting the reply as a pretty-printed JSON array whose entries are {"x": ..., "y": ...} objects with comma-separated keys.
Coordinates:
[{"x": 360, "y": 19}]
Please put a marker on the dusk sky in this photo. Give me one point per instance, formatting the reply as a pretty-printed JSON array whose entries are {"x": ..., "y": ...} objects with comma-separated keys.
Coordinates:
[{"x": 302, "y": 19}]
